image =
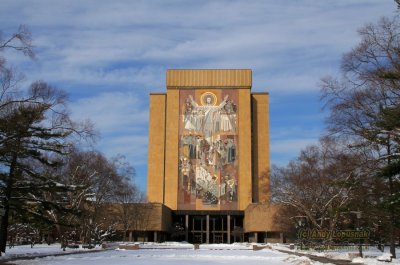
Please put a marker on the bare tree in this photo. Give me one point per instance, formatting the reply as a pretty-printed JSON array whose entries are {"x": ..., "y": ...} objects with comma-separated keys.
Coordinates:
[
  {"x": 362, "y": 101},
  {"x": 10, "y": 78},
  {"x": 143, "y": 218},
  {"x": 104, "y": 192},
  {"x": 319, "y": 185},
  {"x": 20, "y": 41},
  {"x": 102, "y": 182},
  {"x": 127, "y": 212}
]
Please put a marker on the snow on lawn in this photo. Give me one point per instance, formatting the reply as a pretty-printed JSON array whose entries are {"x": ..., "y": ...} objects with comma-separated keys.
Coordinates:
[
  {"x": 39, "y": 250},
  {"x": 235, "y": 254},
  {"x": 177, "y": 256},
  {"x": 182, "y": 253}
]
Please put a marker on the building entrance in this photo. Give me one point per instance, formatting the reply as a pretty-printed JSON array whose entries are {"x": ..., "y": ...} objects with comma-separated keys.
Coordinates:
[{"x": 209, "y": 228}]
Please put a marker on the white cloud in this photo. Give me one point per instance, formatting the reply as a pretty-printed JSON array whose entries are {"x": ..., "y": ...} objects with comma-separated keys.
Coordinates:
[
  {"x": 113, "y": 112},
  {"x": 96, "y": 41},
  {"x": 133, "y": 146},
  {"x": 291, "y": 146},
  {"x": 284, "y": 150},
  {"x": 121, "y": 119}
]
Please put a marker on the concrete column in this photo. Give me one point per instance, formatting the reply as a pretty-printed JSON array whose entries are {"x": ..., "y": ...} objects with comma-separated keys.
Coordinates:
[
  {"x": 187, "y": 228},
  {"x": 208, "y": 229},
  {"x": 130, "y": 236},
  {"x": 155, "y": 236},
  {"x": 229, "y": 228},
  {"x": 281, "y": 238},
  {"x": 255, "y": 237}
]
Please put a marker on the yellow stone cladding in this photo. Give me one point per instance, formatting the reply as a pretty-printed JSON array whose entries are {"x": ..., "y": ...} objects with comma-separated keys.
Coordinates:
[{"x": 189, "y": 78}]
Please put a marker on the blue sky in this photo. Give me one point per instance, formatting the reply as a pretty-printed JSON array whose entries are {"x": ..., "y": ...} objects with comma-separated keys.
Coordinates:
[{"x": 109, "y": 55}]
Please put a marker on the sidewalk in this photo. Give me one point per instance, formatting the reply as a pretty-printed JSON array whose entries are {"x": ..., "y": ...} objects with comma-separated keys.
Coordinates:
[{"x": 320, "y": 259}]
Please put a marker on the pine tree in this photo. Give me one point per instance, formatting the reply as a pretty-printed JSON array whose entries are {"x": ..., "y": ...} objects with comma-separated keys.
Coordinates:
[{"x": 35, "y": 132}]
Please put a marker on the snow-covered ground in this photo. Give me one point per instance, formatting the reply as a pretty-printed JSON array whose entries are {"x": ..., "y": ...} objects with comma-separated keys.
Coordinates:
[
  {"x": 39, "y": 250},
  {"x": 178, "y": 253},
  {"x": 172, "y": 253},
  {"x": 371, "y": 255}
]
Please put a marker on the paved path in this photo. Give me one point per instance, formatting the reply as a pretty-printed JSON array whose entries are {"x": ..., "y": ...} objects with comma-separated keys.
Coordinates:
[{"x": 320, "y": 259}]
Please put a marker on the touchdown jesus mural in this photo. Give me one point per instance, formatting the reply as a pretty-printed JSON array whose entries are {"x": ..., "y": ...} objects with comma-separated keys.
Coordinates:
[{"x": 208, "y": 160}]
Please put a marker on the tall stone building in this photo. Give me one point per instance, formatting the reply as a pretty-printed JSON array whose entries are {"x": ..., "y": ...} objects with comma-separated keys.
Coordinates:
[{"x": 208, "y": 158}]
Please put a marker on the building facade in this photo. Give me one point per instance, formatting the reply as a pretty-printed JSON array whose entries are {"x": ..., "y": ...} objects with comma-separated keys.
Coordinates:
[{"x": 208, "y": 157}]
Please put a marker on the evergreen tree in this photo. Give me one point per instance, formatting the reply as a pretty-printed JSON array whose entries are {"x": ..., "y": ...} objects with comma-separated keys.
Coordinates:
[{"x": 35, "y": 132}]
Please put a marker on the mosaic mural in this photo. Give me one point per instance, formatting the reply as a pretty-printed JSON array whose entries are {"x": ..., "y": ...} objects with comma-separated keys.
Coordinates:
[{"x": 208, "y": 150}]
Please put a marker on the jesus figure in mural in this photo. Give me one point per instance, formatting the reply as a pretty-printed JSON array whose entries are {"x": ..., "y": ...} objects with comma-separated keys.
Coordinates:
[{"x": 210, "y": 115}]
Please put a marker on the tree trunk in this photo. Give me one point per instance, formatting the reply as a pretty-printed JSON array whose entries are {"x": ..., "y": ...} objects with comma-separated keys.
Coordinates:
[
  {"x": 392, "y": 222},
  {"x": 3, "y": 229},
  {"x": 6, "y": 204},
  {"x": 124, "y": 238}
]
